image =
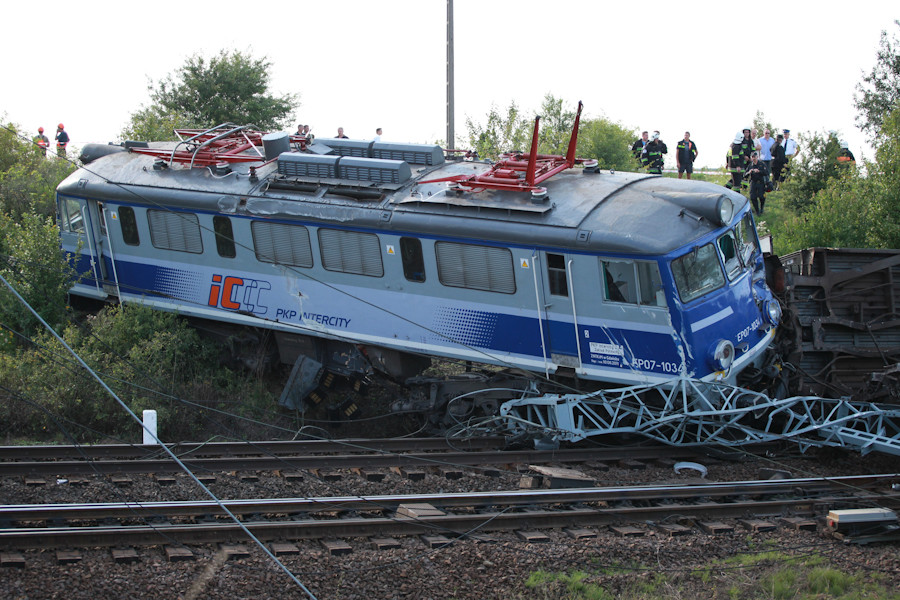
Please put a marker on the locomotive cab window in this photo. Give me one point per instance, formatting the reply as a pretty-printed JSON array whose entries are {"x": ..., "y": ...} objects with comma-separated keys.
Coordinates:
[
  {"x": 413, "y": 260},
  {"x": 128, "y": 223},
  {"x": 729, "y": 249},
  {"x": 556, "y": 274},
  {"x": 698, "y": 273},
  {"x": 747, "y": 238},
  {"x": 632, "y": 282},
  {"x": 102, "y": 213},
  {"x": 224, "y": 237},
  {"x": 70, "y": 216}
]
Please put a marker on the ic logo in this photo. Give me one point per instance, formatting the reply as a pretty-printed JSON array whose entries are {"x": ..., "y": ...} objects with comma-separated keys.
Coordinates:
[{"x": 226, "y": 292}]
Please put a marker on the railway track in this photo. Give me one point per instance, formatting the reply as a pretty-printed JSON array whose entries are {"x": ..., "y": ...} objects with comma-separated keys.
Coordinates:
[
  {"x": 447, "y": 515},
  {"x": 344, "y": 454}
]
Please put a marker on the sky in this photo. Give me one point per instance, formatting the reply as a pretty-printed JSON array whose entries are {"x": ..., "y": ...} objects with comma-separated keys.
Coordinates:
[{"x": 703, "y": 66}]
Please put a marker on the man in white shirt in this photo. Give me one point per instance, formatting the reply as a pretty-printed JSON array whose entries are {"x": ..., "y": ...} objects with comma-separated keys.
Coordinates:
[{"x": 790, "y": 146}]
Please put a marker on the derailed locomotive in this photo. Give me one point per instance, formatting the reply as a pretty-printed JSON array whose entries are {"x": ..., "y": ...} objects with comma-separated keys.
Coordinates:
[{"x": 362, "y": 255}]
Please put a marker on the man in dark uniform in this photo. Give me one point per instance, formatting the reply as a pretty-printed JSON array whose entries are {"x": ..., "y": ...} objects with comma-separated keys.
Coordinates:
[
  {"x": 685, "y": 155},
  {"x": 757, "y": 174},
  {"x": 652, "y": 155},
  {"x": 778, "y": 161},
  {"x": 736, "y": 162},
  {"x": 638, "y": 147}
]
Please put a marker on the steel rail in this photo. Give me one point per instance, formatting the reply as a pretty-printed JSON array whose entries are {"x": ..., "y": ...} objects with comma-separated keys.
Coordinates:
[
  {"x": 57, "y": 452},
  {"x": 520, "y": 512},
  {"x": 336, "y": 461},
  {"x": 329, "y": 504}
]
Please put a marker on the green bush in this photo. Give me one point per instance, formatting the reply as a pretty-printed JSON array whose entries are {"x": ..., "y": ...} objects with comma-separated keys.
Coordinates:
[
  {"x": 31, "y": 261},
  {"x": 149, "y": 358}
]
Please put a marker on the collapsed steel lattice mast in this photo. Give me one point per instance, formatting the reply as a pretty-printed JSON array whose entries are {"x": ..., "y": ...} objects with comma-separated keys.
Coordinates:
[{"x": 690, "y": 412}]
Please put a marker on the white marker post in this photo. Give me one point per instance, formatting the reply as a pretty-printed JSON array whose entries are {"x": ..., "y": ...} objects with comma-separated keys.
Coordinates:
[{"x": 149, "y": 426}]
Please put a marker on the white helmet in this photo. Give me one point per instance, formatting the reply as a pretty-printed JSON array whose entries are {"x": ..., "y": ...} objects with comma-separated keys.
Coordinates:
[
  {"x": 654, "y": 136},
  {"x": 738, "y": 137},
  {"x": 844, "y": 144}
]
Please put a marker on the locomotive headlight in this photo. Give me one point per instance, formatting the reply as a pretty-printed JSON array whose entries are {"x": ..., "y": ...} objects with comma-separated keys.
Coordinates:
[
  {"x": 725, "y": 210},
  {"x": 722, "y": 355},
  {"x": 772, "y": 312}
]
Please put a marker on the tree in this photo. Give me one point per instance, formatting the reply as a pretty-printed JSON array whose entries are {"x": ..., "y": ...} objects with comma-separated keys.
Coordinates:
[
  {"x": 760, "y": 123},
  {"x": 501, "y": 133},
  {"x": 154, "y": 123},
  {"x": 231, "y": 87},
  {"x": 608, "y": 142},
  {"x": 810, "y": 172},
  {"x": 840, "y": 215},
  {"x": 884, "y": 175},
  {"x": 31, "y": 261},
  {"x": 555, "y": 126},
  {"x": 879, "y": 92}
]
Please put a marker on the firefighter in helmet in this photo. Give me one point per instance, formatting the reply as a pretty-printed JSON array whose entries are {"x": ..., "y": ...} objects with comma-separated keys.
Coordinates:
[
  {"x": 42, "y": 141},
  {"x": 652, "y": 154}
]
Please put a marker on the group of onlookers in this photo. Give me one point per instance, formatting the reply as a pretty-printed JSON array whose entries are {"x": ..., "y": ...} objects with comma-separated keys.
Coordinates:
[{"x": 762, "y": 161}]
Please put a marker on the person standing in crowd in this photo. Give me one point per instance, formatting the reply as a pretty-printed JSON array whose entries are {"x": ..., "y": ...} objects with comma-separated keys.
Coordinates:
[
  {"x": 791, "y": 150},
  {"x": 685, "y": 155},
  {"x": 62, "y": 140},
  {"x": 778, "y": 161},
  {"x": 735, "y": 162},
  {"x": 42, "y": 141},
  {"x": 764, "y": 145},
  {"x": 748, "y": 144},
  {"x": 845, "y": 157},
  {"x": 637, "y": 148},
  {"x": 757, "y": 174},
  {"x": 652, "y": 154},
  {"x": 790, "y": 146},
  {"x": 341, "y": 133}
]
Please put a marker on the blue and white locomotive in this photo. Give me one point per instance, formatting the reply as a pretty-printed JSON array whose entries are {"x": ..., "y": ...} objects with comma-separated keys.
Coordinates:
[{"x": 392, "y": 249}]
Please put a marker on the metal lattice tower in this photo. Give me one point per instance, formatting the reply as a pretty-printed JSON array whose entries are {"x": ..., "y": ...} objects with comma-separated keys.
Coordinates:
[{"x": 691, "y": 412}]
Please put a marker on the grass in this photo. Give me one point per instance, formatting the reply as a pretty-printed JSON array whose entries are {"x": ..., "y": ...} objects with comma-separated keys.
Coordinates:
[{"x": 770, "y": 575}]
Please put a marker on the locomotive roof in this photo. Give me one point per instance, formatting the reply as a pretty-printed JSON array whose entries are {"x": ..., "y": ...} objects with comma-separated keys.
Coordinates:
[{"x": 607, "y": 211}]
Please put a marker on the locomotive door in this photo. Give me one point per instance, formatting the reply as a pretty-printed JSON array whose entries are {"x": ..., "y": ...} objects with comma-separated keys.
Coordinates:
[
  {"x": 558, "y": 316},
  {"x": 81, "y": 227}
]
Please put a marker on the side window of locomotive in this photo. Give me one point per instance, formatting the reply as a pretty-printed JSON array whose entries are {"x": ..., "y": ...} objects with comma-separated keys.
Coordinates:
[
  {"x": 224, "y": 237},
  {"x": 351, "y": 252},
  {"x": 102, "y": 214},
  {"x": 728, "y": 246},
  {"x": 70, "y": 216},
  {"x": 697, "y": 273},
  {"x": 413, "y": 260},
  {"x": 175, "y": 231},
  {"x": 281, "y": 244},
  {"x": 556, "y": 274},
  {"x": 128, "y": 223},
  {"x": 632, "y": 282},
  {"x": 475, "y": 267},
  {"x": 747, "y": 237},
  {"x": 620, "y": 284}
]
